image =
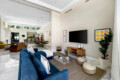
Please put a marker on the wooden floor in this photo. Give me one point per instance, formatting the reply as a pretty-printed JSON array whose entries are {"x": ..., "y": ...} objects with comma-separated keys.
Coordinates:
[{"x": 76, "y": 72}]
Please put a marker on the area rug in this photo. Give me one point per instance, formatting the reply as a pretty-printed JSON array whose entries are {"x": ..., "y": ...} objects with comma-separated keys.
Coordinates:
[{"x": 76, "y": 72}]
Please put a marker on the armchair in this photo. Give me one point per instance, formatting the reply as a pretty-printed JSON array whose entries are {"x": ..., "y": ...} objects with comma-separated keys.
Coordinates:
[{"x": 2, "y": 45}]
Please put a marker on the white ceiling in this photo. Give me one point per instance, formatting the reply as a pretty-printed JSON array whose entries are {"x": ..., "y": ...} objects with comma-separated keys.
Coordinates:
[
  {"x": 32, "y": 12},
  {"x": 22, "y": 14},
  {"x": 57, "y": 3}
]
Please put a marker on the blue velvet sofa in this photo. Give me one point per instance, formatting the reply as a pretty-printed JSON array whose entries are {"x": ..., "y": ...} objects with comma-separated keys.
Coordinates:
[{"x": 30, "y": 68}]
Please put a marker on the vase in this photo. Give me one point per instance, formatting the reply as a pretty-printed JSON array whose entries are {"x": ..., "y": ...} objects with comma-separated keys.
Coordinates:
[
  {"x": 60, "y": 58},
  {"x": 67, "y": 58},
  {"x": 104, "y": 63}
]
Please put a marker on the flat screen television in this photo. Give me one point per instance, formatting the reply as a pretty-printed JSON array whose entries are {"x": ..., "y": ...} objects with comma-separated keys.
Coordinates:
[{"x": 78, "y": 36}]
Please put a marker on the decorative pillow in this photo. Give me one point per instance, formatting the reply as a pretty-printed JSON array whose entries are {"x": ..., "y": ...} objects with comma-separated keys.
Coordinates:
[
  {"x": 30, "y": 49},
  {"x": 45, "y": 63},
  {"x": 39, "y": 66}
]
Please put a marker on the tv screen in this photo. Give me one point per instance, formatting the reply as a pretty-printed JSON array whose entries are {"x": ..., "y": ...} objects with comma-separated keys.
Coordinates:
[{"x": 78, "y": 36}]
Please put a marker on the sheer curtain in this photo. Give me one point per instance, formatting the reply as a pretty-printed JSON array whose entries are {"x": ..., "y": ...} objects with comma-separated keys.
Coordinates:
[{"x": 115, "y": 73}]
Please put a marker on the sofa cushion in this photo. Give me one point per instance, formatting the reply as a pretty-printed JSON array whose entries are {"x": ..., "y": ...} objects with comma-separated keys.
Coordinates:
[
  {"x": 53, "y": 69},
  {"x": 24, "y": 53},
  {"x": 27, "y": 69},
  {"x": 39, "y": 66}
]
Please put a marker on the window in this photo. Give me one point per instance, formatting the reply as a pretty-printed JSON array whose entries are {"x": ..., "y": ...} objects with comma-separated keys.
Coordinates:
[
  {"x": 37, "y": 28},
  {"x": 11, "y": 26},
  {"x": 18, "y": 27},
  {"x": 32, "y": 28},
  {"x": 26, "y": 27}
]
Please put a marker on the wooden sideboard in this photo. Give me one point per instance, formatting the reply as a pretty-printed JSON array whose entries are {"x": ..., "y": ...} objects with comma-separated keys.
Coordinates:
[{"x": 77, "y": 51}]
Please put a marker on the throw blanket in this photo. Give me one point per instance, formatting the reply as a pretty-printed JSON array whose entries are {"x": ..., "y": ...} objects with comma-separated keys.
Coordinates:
[{"x": 48, "y": 53}]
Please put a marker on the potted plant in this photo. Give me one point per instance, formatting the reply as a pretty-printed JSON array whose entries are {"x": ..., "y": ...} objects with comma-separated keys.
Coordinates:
[
  {"x": 104, "y": 47},
  {"x": 67, "y": 54}
]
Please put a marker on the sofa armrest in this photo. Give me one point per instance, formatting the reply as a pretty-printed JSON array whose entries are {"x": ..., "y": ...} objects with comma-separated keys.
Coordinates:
[{"x": 62, "y": 75}]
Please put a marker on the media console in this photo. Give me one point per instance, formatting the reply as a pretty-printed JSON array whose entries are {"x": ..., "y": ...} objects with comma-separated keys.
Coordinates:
[{"x": 77, "y": 51}]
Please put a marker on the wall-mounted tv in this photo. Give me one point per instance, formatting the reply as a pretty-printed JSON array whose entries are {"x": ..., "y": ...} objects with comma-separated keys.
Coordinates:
[{"x": 78, "y": 36}]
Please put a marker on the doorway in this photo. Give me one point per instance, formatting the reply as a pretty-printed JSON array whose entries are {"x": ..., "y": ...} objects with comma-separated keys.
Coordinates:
[{"x": 14, "y": 37}]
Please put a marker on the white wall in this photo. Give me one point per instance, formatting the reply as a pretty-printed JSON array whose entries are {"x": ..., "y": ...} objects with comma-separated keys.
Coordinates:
[
  {"x": 2, "y": 30},
  {"x": 55, "y": 27},
  {"x": 95, "y": 14},
  {"x": 47, "y": 29}
]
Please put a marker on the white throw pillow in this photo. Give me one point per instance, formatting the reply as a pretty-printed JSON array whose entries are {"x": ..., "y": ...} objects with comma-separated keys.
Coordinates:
[
  {"x": 30, "y": 49},
  {"x": 45, "y": 63}
]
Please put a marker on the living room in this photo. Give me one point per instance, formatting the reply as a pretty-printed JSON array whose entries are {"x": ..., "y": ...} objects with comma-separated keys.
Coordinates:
[{"x": 69, "y": 35}]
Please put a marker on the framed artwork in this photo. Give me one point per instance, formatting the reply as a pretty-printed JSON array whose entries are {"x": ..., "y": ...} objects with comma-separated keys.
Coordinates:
[
  {"x": 65, "y": 36},
  {"x": 64, "y": 39},
  {"x": 100, "y": 34},
  {"x": 65, "y": 32}
]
